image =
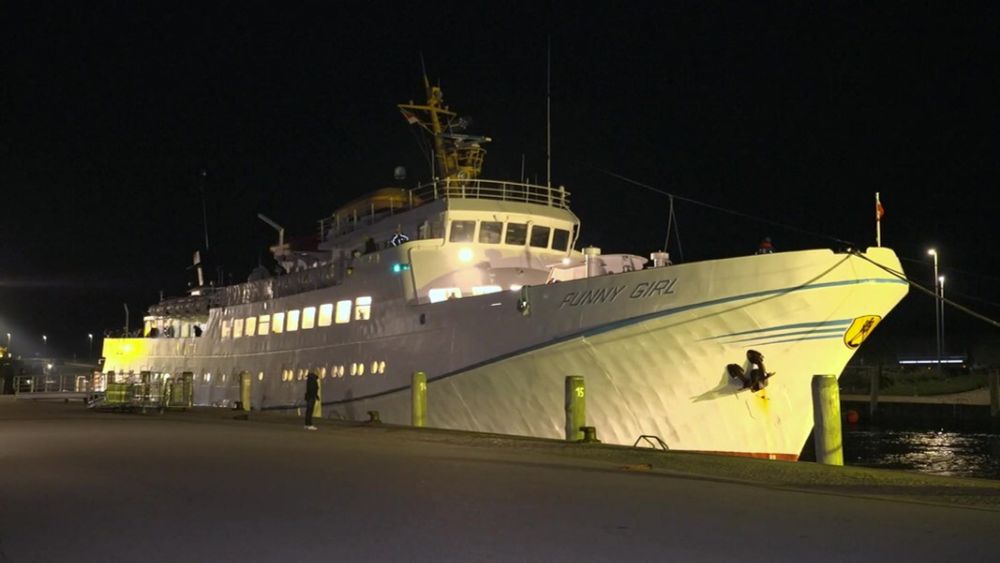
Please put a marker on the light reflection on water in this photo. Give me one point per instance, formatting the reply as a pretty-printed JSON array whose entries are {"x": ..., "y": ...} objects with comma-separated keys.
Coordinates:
[{"x": 939, "y": 452}]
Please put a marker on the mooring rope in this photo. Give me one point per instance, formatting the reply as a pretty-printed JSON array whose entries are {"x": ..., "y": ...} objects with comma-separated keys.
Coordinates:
[{"x": 928, "y": 291}]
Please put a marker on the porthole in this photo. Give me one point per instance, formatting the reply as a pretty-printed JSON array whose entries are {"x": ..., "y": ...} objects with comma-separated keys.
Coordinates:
[
  {"x": 260, "y": 376},
  {"x": 354, "y": 368},
  {"x": 374, "y": 368},
  {"x": 361, "y": 369},
  {"x": 381, "y": 367},
  {"x": 322, "y": 372}
]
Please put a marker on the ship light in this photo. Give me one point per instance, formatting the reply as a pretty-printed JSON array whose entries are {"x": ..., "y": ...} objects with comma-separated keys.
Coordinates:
[
  {"x": 565, "y": 261},
  {"x": 465, "y": 255},
  {"x": 515, "y": 287},
  {"x": 399, "y": 267}
]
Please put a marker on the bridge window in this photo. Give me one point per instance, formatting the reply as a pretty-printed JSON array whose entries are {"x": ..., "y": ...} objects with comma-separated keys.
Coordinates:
[
  {"x": 278, "y": 323},
  {"x": 237, "y": 328},
  {"x": 308, "y": 318},
  {"x": 489, "y": 232},
  {"x": 264, "y": 325},
  {"x": 484, "y": 289},
  {"x": 443, "y": 294},
  {"x": 326, "y": 314},
  {"x": 517, "y": 233},
  {"x": 540, "y": 236},
  {"x": 251, "y": 326},
  {"x": 227, "y": 328},
  {"x": 343, "y": 312},
  {"x": 362, "y": 308},
  {"x": 462, "y": 231},
  {"x": 560, "y": 239}
]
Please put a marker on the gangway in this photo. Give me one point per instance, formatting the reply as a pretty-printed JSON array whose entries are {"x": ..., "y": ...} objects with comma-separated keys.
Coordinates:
[{"x": 147, "y": 393}]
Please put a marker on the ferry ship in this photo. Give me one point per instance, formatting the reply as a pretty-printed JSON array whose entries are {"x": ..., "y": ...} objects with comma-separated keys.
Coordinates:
[{"x": 479, "y": 284}]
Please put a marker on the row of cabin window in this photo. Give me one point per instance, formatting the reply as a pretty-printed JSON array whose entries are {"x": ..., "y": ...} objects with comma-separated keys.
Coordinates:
[
  {"x": 357, "y": 369},
  {"x": 492, "y": 232},
  {"x": 305, "y": 319},
  {"x": 288, "y": 374}
]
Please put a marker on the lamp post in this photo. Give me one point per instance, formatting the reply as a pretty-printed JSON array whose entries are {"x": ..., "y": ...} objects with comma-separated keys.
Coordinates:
[
  {"x": 944, "y": 346},
  {"x": 937, "y": 308}
]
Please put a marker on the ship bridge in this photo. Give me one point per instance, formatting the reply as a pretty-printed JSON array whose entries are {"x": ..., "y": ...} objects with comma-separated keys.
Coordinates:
[{"x": 461, "y": 237}]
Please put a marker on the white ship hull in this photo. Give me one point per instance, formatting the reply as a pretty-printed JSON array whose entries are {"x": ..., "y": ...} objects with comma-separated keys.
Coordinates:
[{"x": 652, "y": 345}]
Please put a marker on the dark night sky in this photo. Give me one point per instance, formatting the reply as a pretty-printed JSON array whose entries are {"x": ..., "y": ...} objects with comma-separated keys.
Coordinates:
[{"x": 788, "y": 112}]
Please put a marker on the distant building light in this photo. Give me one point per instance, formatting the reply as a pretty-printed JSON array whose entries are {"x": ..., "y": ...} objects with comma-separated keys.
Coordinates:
[{"x": 932, "y": 361}]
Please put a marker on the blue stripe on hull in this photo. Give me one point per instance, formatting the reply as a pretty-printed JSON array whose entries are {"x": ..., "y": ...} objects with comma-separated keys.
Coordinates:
[{"x": 635, "y": 320}]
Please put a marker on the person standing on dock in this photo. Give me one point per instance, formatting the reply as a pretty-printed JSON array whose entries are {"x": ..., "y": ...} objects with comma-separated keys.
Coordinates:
[{"x": 312, "y": 393}]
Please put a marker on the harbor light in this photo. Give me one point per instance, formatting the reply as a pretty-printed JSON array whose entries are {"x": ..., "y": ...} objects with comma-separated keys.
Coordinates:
[
  {"x": 941, "y": 293},
  {"x": 937, "y": 307}
]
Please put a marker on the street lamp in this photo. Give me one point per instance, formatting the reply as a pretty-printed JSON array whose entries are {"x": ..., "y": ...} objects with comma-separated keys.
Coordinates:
[
  {"x": 90, "y": 337},
  {"x": 937, "y": 308},
  {"x": 8, "y": 341},
  {"x": 941, "y": 286}
]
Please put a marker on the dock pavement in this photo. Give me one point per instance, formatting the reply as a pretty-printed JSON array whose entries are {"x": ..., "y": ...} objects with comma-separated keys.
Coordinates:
[{"x": 203, "y": 485}]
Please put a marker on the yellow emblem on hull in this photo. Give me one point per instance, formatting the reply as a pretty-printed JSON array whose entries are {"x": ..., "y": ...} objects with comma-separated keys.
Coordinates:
[{"x": 860, "y": 329}]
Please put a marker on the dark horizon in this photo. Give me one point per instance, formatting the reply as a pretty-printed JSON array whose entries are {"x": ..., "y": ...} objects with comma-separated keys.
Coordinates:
[{"x": 793, "y": 116}]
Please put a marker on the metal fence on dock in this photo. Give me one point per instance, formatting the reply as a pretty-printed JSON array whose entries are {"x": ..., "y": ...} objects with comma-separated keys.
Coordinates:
[{"x": 139, "y": 392}]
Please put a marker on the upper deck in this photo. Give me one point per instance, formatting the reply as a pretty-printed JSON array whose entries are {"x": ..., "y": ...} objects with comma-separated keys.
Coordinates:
[{"x": 387, "y": 203}]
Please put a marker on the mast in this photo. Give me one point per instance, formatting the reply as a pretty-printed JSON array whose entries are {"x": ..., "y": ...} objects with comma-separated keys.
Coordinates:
[
  {"x": 458, "y": 156},
  {"x": 548, "y": 117}
]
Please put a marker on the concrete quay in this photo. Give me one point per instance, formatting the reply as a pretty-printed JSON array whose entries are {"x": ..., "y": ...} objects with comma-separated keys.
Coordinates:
[{"x": 78, "y": 485}]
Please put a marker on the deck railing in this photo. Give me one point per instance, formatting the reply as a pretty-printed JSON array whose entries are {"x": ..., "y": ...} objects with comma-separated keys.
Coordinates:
[
  {"x": 443, "y": 189},
  {"x": 495, "y": 190}
]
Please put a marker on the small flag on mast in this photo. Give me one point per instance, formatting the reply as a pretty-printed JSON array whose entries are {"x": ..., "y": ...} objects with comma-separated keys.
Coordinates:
[
  {"x": 879, "y": 212},
  {"x": 410, "y": 118}
]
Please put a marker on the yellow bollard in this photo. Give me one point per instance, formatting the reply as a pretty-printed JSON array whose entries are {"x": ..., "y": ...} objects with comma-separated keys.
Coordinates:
[
  {"x": 576, "y": 408},
  {"x": 418, "y": 395},
  {"x": 246, "y": 386},
  {"x": 826, "y": 418}
]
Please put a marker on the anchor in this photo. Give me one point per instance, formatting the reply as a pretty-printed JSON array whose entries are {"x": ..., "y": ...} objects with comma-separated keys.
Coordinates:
[{"x": 758, "y": 375}]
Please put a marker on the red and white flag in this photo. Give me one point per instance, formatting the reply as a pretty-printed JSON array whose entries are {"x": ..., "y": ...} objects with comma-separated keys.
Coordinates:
[
  {"x": 410, "y": 118},
  {"x": 879, "y": 212}
]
